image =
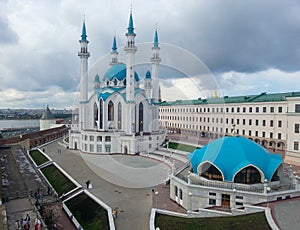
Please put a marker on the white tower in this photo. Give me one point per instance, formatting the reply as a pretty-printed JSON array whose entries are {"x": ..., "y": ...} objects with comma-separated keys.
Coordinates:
[
  {"x": 84, "y": 55},
  {"x": 130, "y": 50},
  {"x": 155, "y": 60},
  {"x": 114, "y": 53}
]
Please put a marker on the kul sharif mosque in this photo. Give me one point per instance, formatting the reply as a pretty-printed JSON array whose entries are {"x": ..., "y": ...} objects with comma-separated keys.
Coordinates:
[{"x": 120, "y": 116}]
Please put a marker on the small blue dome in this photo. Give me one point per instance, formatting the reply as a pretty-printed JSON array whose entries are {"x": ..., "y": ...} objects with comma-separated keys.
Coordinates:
[
  {"x": 232, "y": 154},
  {"x": 97, "y": 79},
  {"x": 118, "y": 71},
  {"x": 148, "y": 75}
]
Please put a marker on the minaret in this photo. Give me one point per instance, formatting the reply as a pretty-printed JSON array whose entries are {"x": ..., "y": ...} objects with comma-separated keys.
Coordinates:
[
  {"x": 148, "y": 85},
  {"x": 130, "y": 50},
  {"x": 155, "y": 60},
  {"x": 84, "y": 55},
  {"x": 114, "y": 53}
]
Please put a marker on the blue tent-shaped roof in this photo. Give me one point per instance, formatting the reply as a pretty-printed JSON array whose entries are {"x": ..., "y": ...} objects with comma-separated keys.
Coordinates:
[
  {"x": 118, "y": 71},
  {"x": 231, "y": 154}
]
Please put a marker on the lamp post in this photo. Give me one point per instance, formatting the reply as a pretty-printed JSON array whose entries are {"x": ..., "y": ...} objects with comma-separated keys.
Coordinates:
[
  {"x": 190, "y": 205},
  {"x": 234, "y": 196},
  {"x": 156, "y": 195}
]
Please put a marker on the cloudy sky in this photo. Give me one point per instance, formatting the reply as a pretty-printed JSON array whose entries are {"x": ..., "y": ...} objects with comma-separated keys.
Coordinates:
[{"x": 248, "y": 47}]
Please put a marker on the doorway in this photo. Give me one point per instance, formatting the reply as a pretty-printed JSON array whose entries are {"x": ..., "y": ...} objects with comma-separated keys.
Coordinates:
[{"x": 225, "y": 201}]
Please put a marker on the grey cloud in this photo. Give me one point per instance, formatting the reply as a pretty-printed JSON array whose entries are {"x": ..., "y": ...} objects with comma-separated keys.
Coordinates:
[{"x": 7, "y": 35}]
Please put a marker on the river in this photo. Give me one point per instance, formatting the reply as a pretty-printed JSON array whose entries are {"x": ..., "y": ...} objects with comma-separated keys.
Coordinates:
[{"x": 15, "y": 124}]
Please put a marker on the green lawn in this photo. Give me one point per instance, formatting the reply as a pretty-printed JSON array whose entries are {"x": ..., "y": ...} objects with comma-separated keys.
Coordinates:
[
  {"x": 88, "y": 213},
  {"x": 182, "y": 147},
  {"x": 38, "y": 157},
  {"x": 57, "y": 179},
  {"x": 255, "y": 221}
]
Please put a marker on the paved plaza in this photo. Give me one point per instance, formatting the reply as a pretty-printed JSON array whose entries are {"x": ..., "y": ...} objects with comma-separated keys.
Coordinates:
[{"x": 134, "y": 203}]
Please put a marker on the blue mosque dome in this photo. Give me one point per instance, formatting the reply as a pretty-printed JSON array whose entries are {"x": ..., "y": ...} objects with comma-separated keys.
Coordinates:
[
  {"x": 119, "y": 72},
  {"x": 231, "y": 154}
]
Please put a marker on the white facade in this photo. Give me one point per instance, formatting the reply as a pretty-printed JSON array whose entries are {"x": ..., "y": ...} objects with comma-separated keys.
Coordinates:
[
  {"x": 120, "y": 116},
  {"x": 271, "y": 120}
]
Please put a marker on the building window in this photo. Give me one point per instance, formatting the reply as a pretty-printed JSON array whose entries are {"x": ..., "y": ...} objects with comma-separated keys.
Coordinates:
[
  {"x": 180, "y": 194},
  {"x": 257, "y": 109},
  {"x": 238, "y": 109},
  {"x": 119, "y": 115},
  {"x": 244, "y": 121},
  {"x": 141, "y": 117},
  {"x": 91, "y": 138},
  {"x": 176, "y": 191},
  {"x": 263, "y": 134},
  {"x": 271, "y": 123},
  {"x": 250, "y": 122},
  {"x": 107, "y": 139},
  {"x": 91, "y": 148},
  {"x": 99, "y": 138},
  {"x": 212, "y": 201},
  {"x": 232, "y": 109},
  {"x": 296, "y": 128},
  {"x": 250, "y": 109},
  {"x": 272, "y": 109},
  {"x": 248, "y": 175},
  {"x": 280, "y": 109},
  {"x": 279, "y": 124},
  {"x": 85, "y": 137},
  {"x": 271, "y": 136},
  {"x": 101, "y": 114},
  {"x": 256, "y": 122},
  {"x": 244, "y": 109},
  {"x": 279, "y": 136},
  {"x": 239, "y": 197},
  {"x": 250, "y": 132},
  {"x": 243, "y": 132},
  {"x": 296, "y": 145},
  {"x": 264, "y": 109},
  {"x": 237, "y": 121},
  {"x": 99, "y": 148},
  {"x": 297, "y": 108},
  {"x": 256, "y": 133},
  {"x": 110, "y": 111},
  {"x": 227, "y": 110},
  {"x": 212, "y": 193},
  {"x": 95, "y": 115},
  {"x": 264, "y": 123},
  {"x": 226, "y": 120},
  {"x": 232, "y": 121},
  {"x": 107, "y": 148}
]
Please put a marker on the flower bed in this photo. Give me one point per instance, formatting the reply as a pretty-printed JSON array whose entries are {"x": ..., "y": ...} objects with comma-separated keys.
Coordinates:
[
  {"x": 38, "y": 157},
  {"x": 57, "y": 179},
  {"x": 88, "y": 213}
]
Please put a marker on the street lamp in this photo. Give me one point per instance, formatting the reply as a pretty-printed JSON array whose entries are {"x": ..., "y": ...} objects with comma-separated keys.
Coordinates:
[
  {"x": 190, "y": 195},
  {"x": 156, "y": 195}
]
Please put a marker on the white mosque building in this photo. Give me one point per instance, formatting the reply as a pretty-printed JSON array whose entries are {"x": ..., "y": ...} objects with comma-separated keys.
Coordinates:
[{"x": 120, "y": 116}]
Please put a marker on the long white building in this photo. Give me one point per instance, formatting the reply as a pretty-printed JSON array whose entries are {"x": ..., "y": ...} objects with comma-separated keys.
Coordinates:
[{"x": 271, "y": 120}]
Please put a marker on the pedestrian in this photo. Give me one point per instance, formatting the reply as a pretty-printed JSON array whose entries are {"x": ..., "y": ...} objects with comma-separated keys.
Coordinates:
[
  {"x": 49, "y": 190},
  {"x": 17, "y": 225},
  {"x": 37, "y": 224},
  {"x": 88, "y": 184},
  {"x": 114, "y": 213},
  {"x": 27, "y": 218}
]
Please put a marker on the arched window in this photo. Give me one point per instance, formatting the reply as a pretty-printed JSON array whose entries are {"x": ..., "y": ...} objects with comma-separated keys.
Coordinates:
[
  {"x": 248, "y": 175},
  {"x": 176, "y": 191},
  {"x": 101, "y": 114},
  {"x": 124, "y": 82},
  {"x": 95, "y": 114},
  {"x": 210, "y": 172},
  {"x": 115, "y": 81},
  {"x": 141, "y": 117},
  {"x": 110, "y": 111},
  {"x": 119, "y": 115}
]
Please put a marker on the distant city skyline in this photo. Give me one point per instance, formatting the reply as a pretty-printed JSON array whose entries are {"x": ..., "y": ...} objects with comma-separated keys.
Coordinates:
[{"x": 249, "y": 46}]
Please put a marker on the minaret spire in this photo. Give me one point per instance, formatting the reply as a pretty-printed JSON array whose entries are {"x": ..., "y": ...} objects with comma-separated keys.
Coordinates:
[
  {"x": 114, "y": 52},
  {"x": 130, "y": 50},
  {"x": 155, "y": 42}
]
